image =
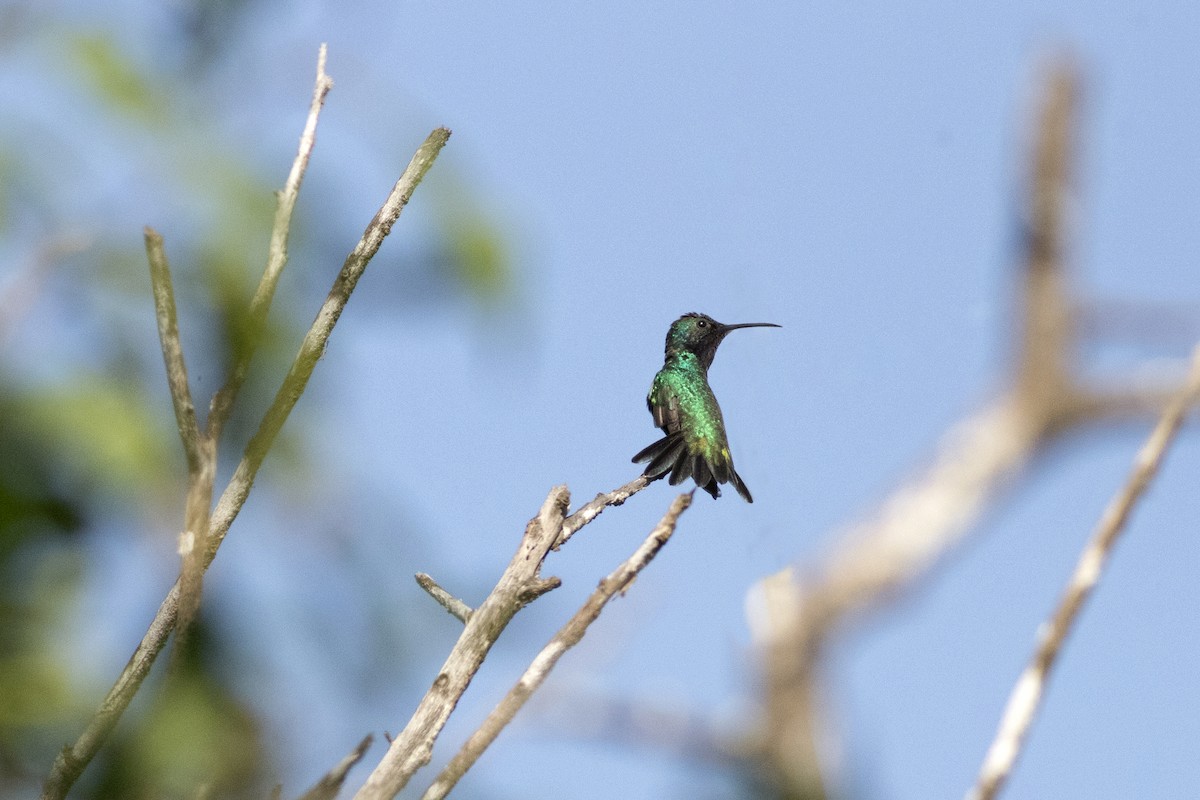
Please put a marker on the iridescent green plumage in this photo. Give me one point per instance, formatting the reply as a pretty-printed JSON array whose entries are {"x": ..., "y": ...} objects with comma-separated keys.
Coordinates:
[{"x": 685, "y": 408}]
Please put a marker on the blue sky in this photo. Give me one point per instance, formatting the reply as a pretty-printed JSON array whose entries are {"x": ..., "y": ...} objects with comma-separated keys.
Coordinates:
[{"x": 851, "y": 174}]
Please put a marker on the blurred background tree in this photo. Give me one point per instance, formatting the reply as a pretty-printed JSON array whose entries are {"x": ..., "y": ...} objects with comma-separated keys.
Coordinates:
[{"x": 88, "y": 454}]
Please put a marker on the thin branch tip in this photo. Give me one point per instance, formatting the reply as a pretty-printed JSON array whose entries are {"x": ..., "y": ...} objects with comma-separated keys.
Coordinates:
[
  {"x": 167, "y": 316},
  {"x": 330, "y": 784},
  {"x": 457, "y": 608}
]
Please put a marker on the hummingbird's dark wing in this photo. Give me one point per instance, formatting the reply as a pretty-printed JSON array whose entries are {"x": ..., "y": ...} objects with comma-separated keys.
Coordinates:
[
  {"x": 664, "y": 407},
  {"x": 668, "y": 452}
]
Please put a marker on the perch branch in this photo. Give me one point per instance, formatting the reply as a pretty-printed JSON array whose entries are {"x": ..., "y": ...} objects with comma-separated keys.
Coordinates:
[
  {"x": 592, "y": 509},
  {"x": 1027, "y": 695},
  {"x": 72, "y": 760},
  {"x": 456, "y": 607},
  {"x": 618, "y": 581},
  {"x": 519, "y": 585},
  {"x": 277, "y": 255}
]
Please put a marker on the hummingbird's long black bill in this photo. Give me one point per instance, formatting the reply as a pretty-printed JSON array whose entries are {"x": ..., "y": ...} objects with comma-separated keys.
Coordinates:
[{"x": 728, "y": 328}]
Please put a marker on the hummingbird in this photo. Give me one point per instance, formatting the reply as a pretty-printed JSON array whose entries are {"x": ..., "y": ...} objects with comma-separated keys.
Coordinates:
[{"x": 684, "y": 406}]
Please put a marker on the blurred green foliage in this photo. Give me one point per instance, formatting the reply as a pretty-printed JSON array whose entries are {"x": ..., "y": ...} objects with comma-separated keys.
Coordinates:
[
  {"x": 87, "y": 439},
  {"x": 100, "y": 433},
  {"x": 114, "y": 80},
  {"x": 480, "y": 261}
]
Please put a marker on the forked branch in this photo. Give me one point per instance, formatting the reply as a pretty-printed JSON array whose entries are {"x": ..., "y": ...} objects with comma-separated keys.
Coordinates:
[
  {"x": 520, "y": 583},
  {"x": 72, "y": 760},
  {"x": 617, "y": 582}
]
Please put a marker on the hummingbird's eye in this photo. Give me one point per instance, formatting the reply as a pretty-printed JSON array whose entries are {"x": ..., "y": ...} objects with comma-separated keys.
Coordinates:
[{"x": 701, "y": 324}]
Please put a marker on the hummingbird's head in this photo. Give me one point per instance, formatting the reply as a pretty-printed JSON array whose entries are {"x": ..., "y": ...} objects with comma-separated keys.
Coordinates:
[{"x": 701, "y": 334}]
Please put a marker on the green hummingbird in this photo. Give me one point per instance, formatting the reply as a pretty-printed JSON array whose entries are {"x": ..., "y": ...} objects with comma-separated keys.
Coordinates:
[{"x": 684, "y": 406}]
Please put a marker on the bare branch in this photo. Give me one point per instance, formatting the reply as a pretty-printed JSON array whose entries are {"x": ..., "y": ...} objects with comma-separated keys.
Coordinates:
[
  {"x": 593, "y": 508},
  {"x": 1044, "y": 378},
  {"x": 412, "y": 747},
  {"x": 199, "y": 449},
  {"x": 317, "y": 337},
  {"x": 172, "y": 350},
  {"x": 1027, "y": 694},
  {"x": 795, "y": 611},
  {"x": 277, "y": 255},
  {"x": 456, "y": 607},
  {"x": 519, "y": 585},
  {"x": 567, "y": 637},
  {"x": 331, "y": 783},
  {"x": 73, "y": 759},
  {"x": 193, "y": 541}
]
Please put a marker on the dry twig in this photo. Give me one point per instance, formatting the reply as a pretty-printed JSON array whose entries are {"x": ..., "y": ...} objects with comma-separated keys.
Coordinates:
[
  {"x": 593, "y": 508},
  {"x": 1027, "y": 694},
  {"x": 567, "y": 637},
  {"x": 331, "y": 783},
  {"x": 277, "y": 255},
  {"x": 519, "y": 585},
  {"x": 168, "y": 335},
  {"x": 199, "y": 449},
  {"x": 457, "y": 608}
]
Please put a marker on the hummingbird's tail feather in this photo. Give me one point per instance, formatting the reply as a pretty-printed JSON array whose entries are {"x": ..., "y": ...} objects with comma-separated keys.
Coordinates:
[
  {"x": 738, "y": 484},
  {"x": 682, "y": 469},
  {"x": 662, "y": 455},
  {"x": 701, "y": 471},
  {"x": 719, "y": 470},
  {"x": 671, "y": 458}
]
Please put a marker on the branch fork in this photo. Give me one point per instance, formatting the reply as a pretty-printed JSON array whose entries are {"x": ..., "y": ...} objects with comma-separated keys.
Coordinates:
[{"x": 209, "y": 525}]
